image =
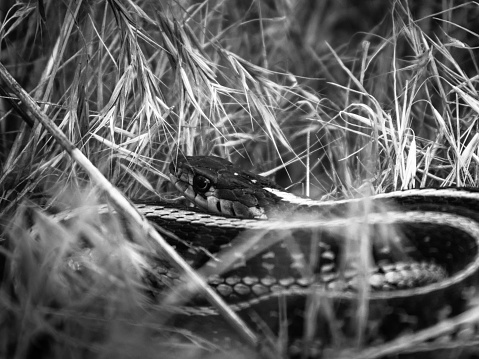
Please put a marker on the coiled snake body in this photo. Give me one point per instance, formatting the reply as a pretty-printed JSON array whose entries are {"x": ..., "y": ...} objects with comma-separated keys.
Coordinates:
[{"x": 417, "y": 274}]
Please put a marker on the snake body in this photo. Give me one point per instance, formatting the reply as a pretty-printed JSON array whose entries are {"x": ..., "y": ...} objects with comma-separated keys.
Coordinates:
[{"x": 425, "y": 272}]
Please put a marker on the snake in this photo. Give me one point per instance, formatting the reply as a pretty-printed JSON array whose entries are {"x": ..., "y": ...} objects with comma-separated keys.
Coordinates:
[
  {"x": 382, "y": 265},
  {"x": 266, "y": 250}
]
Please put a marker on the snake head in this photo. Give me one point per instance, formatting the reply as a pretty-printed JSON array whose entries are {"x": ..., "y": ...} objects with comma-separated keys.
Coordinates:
[{"x": 216, "y": 185}]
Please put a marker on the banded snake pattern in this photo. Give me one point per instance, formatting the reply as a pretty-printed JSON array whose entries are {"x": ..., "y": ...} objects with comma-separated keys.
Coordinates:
[
  {"x": 271, "y": 254},
  {"x": 425, "y": 272}
]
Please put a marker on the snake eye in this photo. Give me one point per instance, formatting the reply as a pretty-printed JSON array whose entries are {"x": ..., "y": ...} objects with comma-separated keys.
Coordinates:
[{"x": 201, "y": 183}]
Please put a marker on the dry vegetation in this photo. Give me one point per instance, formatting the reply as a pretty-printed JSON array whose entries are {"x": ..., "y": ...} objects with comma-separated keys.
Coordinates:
[{"x": 330, "y": 97}]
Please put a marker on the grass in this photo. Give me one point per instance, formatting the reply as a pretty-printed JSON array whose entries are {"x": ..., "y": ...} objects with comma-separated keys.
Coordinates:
[{"x": 332, "y": 98}]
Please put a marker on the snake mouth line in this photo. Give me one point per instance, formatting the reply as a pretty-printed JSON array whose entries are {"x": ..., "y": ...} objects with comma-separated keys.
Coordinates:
[{"x": 211, "y": 198}]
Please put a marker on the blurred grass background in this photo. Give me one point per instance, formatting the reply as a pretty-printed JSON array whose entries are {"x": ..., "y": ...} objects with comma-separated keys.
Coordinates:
[{"x": 327, "y": 97}]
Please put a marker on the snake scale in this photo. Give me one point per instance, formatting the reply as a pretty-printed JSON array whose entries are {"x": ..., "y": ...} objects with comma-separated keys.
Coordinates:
[{"x": 267, "y": 251}]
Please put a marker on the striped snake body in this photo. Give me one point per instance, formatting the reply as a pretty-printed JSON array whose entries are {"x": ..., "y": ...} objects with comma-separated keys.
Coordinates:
[{"x": 424, "y": 269}]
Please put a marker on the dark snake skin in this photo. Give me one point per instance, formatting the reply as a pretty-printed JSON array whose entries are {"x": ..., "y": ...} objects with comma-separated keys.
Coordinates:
[{"x": 422, "y": 247}]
